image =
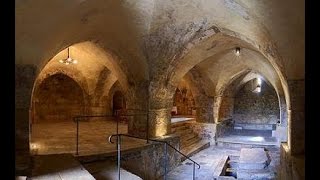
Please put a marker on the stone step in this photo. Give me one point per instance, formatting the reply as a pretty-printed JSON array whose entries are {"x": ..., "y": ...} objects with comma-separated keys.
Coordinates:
[
  {"x": 253, "y": 158},
  {"x": 194, "y": 148},
  {"x": 190, "y": 142},
  {"x": 179, "y": 124},
  {"x": 220, "y": 168},
  {"x": 180, "y": 128},
  {"x": 183, "y": 132},
  {"x": 225, "y": 178},
  {"x": 187, "y": 137},
  {"x": 231, "y": 172},
  {"x": 244, "y": 145},
  {"x": 233, "y": 163},
  {"x": 255, "y": 174}
]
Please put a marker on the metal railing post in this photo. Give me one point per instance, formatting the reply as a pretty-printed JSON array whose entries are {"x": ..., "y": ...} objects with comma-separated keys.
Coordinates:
[
  {"x": 165, "y": 161},
  {"x": 77, "y": 150},
  {"x": 194, "y": 171},
  {"x": 117, "y": 118},
  {"x": 119, "y": 155}
]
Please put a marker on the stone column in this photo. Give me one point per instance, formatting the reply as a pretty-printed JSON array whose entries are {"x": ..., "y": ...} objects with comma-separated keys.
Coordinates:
[
  {"x": 297, "y": 116},
  {"x": 160, "y": 104},
  {"x": 137, "y": 105},
  {"x": 159, "y": 121},
  {"x": 24, "y": 79}
]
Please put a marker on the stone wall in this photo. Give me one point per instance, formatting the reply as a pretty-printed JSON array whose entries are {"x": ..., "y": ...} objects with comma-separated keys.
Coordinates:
[
  {"x": 149, "y": 162},
  {"x": 291, "y": 166},
  {"x": 297, "y": 115},
  {"x": 58, "y": 99},
  {"x": 224, "y": 127},
  {"x": 24, "y": 79},
  {"x": 204, "y": 109},
  {"x": 259, "y": 108},
  {"x": 184, "y": 101},
  {"x": 226, "y": 108}
]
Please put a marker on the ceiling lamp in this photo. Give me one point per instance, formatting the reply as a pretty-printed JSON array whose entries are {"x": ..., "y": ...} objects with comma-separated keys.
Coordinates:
[
  {"x": 237, "y": 51},
  {"x": 258, "y": 85},
  {"x": 68, "y": 60}
]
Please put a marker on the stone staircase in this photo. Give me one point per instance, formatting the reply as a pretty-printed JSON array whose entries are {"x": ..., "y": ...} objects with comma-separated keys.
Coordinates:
[
  {"x": 107, "y": 169},
  {"x": 190, "y": 143}
]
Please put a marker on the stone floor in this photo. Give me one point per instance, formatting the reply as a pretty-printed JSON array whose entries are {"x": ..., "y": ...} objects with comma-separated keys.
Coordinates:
[
  {"x": 209, "y": 160},
  {"x": 57, "y": 138}
]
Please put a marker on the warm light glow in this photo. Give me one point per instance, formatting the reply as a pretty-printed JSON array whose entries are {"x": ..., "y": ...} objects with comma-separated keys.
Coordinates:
[
  {"x": 161, "y": 131},
  {"x": 259, "y": 81},
  {"x": 258, "y": 89},
  {"x": 69, "y": 60},
  {"x": 237, "y": 51},
  {"x": 34, "y": 147}
]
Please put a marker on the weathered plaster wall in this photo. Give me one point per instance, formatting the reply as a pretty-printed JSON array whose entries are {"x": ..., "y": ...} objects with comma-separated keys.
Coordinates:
[
  {"x": 259, "y": 108},
  {"x": 57, "y": 99}
]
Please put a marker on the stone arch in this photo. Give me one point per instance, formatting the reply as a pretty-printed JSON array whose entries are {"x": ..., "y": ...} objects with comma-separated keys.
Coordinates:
[
  {"x": 48, "y": 93},
  {"x": 217, "y": 40},
  {"x": 236, "y": 83},
  {"x": 85, "y": 51},
  {"x": 118, "y": 102}
]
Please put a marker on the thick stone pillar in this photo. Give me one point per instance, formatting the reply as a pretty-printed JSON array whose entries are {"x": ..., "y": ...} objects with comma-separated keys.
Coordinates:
[
  {"x": 297, "y": 116},
  {"x": 160, "y": 104},
  {"x": 24, "y": 80},
  {"x": 204, "y": 109},
  {"x": 137, "y": 109},
  {"x": 159, "y": 121}
]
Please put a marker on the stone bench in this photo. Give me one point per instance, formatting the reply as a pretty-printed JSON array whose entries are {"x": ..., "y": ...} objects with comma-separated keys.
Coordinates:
[{"x": 255, "y": 126}]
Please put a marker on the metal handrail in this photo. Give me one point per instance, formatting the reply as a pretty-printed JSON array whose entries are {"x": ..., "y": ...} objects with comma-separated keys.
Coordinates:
[
  {"x": 78, "y": 118},
  {"x": 165, "y": 142}
]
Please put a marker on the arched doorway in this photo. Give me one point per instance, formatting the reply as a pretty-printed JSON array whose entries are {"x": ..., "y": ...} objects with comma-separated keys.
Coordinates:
[
  {"x": 118, "y": 103},
  {"x": 250, "y": 114},
  {"x": 55, "y": 101},
  {"x": 183, "y": 103}
]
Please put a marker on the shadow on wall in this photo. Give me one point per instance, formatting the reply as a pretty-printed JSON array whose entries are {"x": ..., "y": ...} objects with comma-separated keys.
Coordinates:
[{"x": 58, "y": 98}]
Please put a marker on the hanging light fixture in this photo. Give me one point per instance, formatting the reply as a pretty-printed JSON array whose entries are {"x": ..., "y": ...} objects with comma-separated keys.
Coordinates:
[
  {"x": 237, "y": 51},
  {"x": 258, "y": 85},
  {"x": 68, "y": 60}
]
